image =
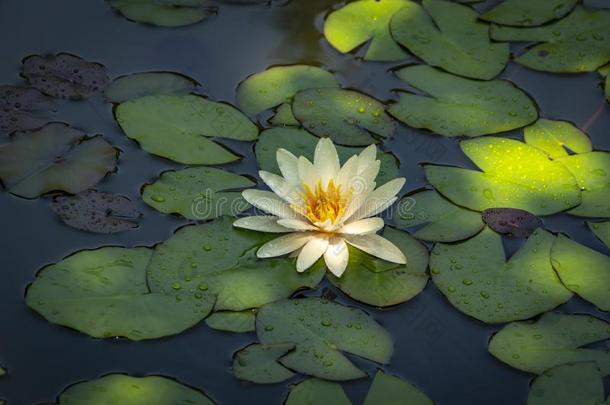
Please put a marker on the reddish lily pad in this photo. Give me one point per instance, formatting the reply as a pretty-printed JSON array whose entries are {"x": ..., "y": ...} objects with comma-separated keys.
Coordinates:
[
  {"x": 513, "y": 221},
  {"x": 17, "y": 105}
]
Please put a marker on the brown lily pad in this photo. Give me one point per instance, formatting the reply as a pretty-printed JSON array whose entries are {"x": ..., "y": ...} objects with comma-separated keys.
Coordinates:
[
  {"x": 18, "y": 106},
  {"x": 513, "y": 221}
]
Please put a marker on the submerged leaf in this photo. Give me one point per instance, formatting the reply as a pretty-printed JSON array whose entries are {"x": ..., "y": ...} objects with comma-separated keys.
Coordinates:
[
  {"x": 477, "y": 280},
  {"x": 163, "y": 13},
  {"x": 456, "y": 106},
  {"x": 18, "y": 108},
  {"x": 314, "y": 391},
  {"x": 552, "y": 340},
  {"x": 601, "y": 230},
  {"x": 104, "y": 294},
  {"x": 178, "y": 127},
  {"x": 557, "y": 137},
  {"x": 449, "y": 35},
  {"x": 528, "y": 13},
  {"x": 568, "y": 384},
  {"x": 98, "y": 212},
  {"x": 229, "y": 321},
  {"x": 512, "y": 221},
  {"x": 54, "y": 158},
  {"x": 388, "y": 389},
  {"x": 362, "y": 21},
  {"x": 258, "y": 363},
  {"x": 138, "y": 85}
]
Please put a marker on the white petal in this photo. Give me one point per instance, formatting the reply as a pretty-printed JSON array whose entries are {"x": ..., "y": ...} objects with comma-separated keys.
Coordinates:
[
  {"x": 279, "y": 185},
  {"x": 297, "y": 225},
  {"x": 288, "y": 164},
  {"x": 377, "y": 246},
  {"x": 262, "y": 224},
  {"x": 347, "y": 172},
  {"x": 380, "y": 199},
  {"x": 269, "y": 202},
  {"x": 308, "y": 173},
  {"x": 367, "y": 156},
  {"x": 336, "y": 256},
  {"x": 311, "y": 252},
  {"x": 284, "y": 244},
  {"x": 326, "y": 160},
  {"x": 362, "y": 227}
]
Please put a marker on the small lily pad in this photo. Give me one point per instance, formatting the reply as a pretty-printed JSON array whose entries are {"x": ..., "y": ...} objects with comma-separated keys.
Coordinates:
[
  {"x": 178, "y": 127},
  {"x": 362, "y": 21},
  {"x": 577, "y": 43},
  {"x": 229, "y": 321},
  {"x": 511, "y": 221},
  {"x": 19, "y": 107},
  {"x": 258, "y": 363},
  {"x": 515, "y": 175},
  {"x": 138, "y": 85},
  {"x": 321, "y": 331},
  {"x": 54, "y": 158},
  {"x": 314, "y": 391},
  {"x": 557, "y": 137},
  {"x": 552, "y": 340},
  {"x": 389, "y": 389},
  {"x": 528, "y": 13},
  {"x": 601, "y": 230},
  {"x": 568, "y": 384},
  {"x": 456, "y": 106},
  {"x": 442, "y": 221},
  {"x": 346, "y": 116},
  {"x": 450, "y": 36},
  {"x": 163, "y": 13},
  {"x": 98, "y": 212},
  {"x": 124, "y": 389},
  {"x": 65, "y": 76},
  {"x": 104, "y": 294},
  {"x": 476, "y": 278},
  {"x": 583, "y": 271},
  {"x": 2, "y": 372},
  {"x": 198, "y": 193},
  {"x": 284, "y": 116}
]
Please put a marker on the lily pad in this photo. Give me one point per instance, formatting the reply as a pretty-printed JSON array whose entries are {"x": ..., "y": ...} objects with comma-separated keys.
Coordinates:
[
  {"x": 552, "y": 340},
  {"x": 568, "y": 384},
  {"x": 528, "y": 13},
  {"x": 198, "y": 193},
  {"x": 511, "y": 221},
  {"x": 163, "y": 13},
  {"x": 217, "y": 258},
  {"x": 578, "y": 43},
  {"x": 258, "y": 363},
  {"x": 314, "y": 391},
  {"x": 557, "y": 137},
  {"x": 365, "y": 21},
  {"x": 277, "y": 86},
  {"x": 321, "y": 331},
  {"x": 456, "y": 106},
  {"x": 601, "y": 230},
  {"x": 346, "y": 116},
  {"x": 54, "y": 158},
  {"x": 449, "y": 35},
  {"x": 138, "y": 85},
  {"x": 442, "y": 221},
  {"x": 178, "y": 127},
  {"x": 302, "y": 143},
  {"x": 394, "y": 285},
  {"x": 284, "y": 116},
  {"x": 388, "y": 389},
  {"x": 124, "y": 389},
  {"x": 514, "y": 175},
  {"x": 19, "y": 107},
  {"x": 104, "y": 294},
  {"x": 229, "y": 321},
  {"x": 476, "y": 278},
  {"x": 98, "y": 212},
  {"x": 604, "y": 70},
  {"x": 65, "y": 76},
  {"x": 583, "y": 271}
]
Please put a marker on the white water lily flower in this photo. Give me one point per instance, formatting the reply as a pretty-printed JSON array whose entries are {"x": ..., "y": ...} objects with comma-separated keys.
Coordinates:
[{"x": 322, "y": 206}]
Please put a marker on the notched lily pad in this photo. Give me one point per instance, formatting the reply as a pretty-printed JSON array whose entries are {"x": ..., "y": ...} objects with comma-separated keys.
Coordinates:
[
  {"x": 314, "y": 391},
  {"x": 164, "y": 13},
  {"x": 512, "y": 221},
  {"x": 138, "y": 85},
  {"x": 65, "y": 76},
  {"x": 568, "y": 384},
  {"x": 95, "y": 211},
  {"x": 528, "y": 13},
  {"x": 54, "y": 158},
  {"x": 230, "y": 321},
  {"x": 557, "y": 138},
  {"x": 258, "y": 363},
  {"x": 19, "y": 108}
]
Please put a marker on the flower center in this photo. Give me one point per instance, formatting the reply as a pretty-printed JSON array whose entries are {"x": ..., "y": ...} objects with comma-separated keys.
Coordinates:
[{"x": 324, "y": 204}]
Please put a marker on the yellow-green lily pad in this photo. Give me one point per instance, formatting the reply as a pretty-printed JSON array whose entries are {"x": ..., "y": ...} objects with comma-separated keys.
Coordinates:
[
  {"x": 138, "y": 85},
  {"x": 601, "y": 230},
  {"x": 557, "y": 137},
  {"x": 163, "y": 13}
]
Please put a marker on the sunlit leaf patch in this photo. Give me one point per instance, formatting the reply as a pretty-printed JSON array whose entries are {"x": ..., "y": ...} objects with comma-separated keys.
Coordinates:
[
  {"x": 164, "y": 13},
  {"x": 557, "y": 138},
  {"x": 528, "y": 13},
  {"x": 138, "y": 85}
]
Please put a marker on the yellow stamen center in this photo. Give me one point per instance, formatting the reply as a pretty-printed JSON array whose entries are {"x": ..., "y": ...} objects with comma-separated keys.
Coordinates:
[{"x": 324, "y": 204}]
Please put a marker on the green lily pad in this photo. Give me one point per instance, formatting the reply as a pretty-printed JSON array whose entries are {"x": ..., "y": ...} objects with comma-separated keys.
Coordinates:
[
  {"x": 552, "y": 340},
  {"x": 514, "y": 175},
  {"x": 362, "y": 21},
  {"x": 138, "y": 85},
  {"x": 163, "y": 13},
  {"x": 2, "y": 372},
  {"x": 450, "y": 36},
  {"x": 314, "y": 391},
  {"x": 218, "y": 258},
  {"x": 54, "y": 158},
  {"x": 476, "y": 278},
  {"x": 583, "y": 271},
  {"x": 124, "y": 389},
  {"x": 528, "y": 13},
  {"x": 603, "y": 71},
  {"x": 284, "y": 116},
  {"x": 442, "y": 221},
  {"x": 578, "y": 43},
  {"x": 601, "y": 230},
  {"x": 277, "y": 86},
  {"x": 390, "y": 390},
  {"x": 229, "y": 321},
  {"x": 392, "y": 286},
  {"x": 568, "y": 384},
  {"x": 592, "y": 172},
  {"x": 178, "y": 127},
  {"x": 258, "y": 363},
  {"x": 198, "y": 193},
  {"x": 302, "y": 143},
  {"x": 104, "y": 294},
  {"x": 557, "y": 137},
  {"x": 346, "y": 116},
  {"x": 321, "y": 330},
  {"x": 456, "y": 106}
]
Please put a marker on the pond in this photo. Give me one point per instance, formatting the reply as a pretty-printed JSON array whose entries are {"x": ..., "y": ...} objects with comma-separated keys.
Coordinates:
[{"x": 460, "y": 323}]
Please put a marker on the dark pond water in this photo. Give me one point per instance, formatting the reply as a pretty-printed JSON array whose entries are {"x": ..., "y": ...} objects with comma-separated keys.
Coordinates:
[{"x": 437, "y": 348}]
